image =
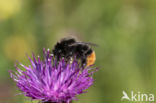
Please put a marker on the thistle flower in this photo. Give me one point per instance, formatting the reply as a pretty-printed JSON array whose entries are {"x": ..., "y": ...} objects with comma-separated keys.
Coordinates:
[{"x": 52, "y": 81}]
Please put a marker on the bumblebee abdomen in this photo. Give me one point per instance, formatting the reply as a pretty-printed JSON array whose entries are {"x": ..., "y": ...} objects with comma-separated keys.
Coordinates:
[{"x": 91, "y": 59}]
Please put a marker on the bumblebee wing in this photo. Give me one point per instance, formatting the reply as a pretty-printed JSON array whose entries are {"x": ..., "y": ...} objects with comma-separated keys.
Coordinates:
[
  {"x": 86, "y": 43},
  {"x": 92, "y": 44}
]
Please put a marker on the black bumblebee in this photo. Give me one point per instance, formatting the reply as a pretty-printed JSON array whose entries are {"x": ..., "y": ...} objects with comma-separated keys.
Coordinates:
[{"x": 69, "y": 48}]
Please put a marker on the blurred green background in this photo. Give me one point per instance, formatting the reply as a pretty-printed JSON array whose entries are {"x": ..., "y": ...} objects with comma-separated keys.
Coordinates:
[{"x": 125, "y": 31}]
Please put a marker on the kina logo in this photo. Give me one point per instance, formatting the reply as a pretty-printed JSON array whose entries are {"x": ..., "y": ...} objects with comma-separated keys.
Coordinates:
[{"x": 138, "y": 96}]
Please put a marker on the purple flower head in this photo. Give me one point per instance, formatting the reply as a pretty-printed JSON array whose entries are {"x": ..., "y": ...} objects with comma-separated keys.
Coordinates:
[{"x": 52, "y": 81}]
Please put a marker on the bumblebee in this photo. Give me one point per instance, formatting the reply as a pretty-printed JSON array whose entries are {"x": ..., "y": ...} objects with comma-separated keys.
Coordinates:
[{"x": 69, "y": 48}]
